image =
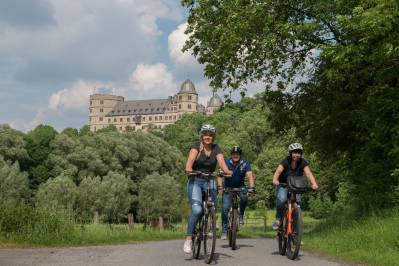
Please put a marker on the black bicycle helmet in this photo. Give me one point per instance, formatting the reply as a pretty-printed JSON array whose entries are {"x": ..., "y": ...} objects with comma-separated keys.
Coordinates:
[{"x": 236, "y": 149}]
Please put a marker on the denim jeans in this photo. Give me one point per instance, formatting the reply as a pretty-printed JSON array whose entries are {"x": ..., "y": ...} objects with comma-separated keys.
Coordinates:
[
  {"x": 195, "y": 188},
  {"x": 282, "y": 195},
  {"x": 227, "y": 201}
]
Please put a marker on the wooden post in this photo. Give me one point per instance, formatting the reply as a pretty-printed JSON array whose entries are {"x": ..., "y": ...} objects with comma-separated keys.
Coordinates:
[
  {"x": 130, "y": 219},
  {"x": 160, "y": 223},
  {"x": 95, "y": 217}
]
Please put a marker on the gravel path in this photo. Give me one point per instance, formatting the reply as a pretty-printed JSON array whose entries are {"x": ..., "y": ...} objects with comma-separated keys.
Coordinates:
[{"x": 250, "y": 252}]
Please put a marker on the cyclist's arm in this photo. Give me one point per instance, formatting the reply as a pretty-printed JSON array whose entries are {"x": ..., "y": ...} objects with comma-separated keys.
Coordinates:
[
  {"x": 251, "y": 178},
  {"x": 310, "y": 177},
  {"x": 277, "y": 174},
  {"x": 222, "y": 163},
  {"x": 190, "y": 160}
]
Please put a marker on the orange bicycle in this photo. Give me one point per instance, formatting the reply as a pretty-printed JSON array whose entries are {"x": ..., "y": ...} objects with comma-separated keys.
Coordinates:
[{"x": 289, "y": 233}]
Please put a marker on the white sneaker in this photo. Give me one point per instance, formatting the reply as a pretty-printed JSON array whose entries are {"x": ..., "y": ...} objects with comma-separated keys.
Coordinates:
[
  {"x": 188, "y": 246},
  {"x": 224, "y": 236}
]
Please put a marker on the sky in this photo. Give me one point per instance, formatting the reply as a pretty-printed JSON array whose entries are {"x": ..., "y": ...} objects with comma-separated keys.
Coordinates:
[{"x": 55, "y": 53}]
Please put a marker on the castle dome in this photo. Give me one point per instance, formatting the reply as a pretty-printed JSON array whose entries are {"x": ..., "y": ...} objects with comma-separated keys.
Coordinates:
[
  {"x": 187, "y": 87},
  {"x": 215, "y": 101}
]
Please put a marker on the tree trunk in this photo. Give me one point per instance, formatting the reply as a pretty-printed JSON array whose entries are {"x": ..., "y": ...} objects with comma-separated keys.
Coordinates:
[{"x": 160, "y": 224}]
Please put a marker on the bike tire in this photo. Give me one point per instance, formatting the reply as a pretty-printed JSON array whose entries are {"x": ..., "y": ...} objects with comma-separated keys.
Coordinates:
[
  {"x": 230, "y": 226},
  {"x": 209, "y": 235},
  {"x": 294, "y": 239},
  {"x": 197, "y": 240},
  {"x": 282, "y": 241},
  {"x": 234, "y": 228}
]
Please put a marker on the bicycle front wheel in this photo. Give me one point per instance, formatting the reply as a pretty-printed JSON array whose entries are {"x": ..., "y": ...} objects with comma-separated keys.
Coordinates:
[
  {"x": 209, "y": 235},
  {"x": 282, "y": 241},
  {"x": 234, "y": 227},
  {"x": 197, "y": 239},
  {"x": 294, "y": 239}
]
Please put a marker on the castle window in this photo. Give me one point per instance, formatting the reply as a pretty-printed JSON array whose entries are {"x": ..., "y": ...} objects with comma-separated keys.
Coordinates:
[
  {"x": 101, "y": 119},
  {"x": 124, "y": 111},
  {"x": 140, "y": 110},
  {"x": 156, "y": 118},
  {"x": 146, "y": 109},
  {"x": 91, "y": 110},
  {"x": 120, "y": 128},
  {"x": 166, "y": 118},
  {"x": 143, "y": 118},
  {"x": 189, "y": 106},
  {"x": 90, "y": 119},
  {"x": 119, "y": 111},
  {"x": 152, "y": 109},
  {"x": 160, "y": 118},
  {"x": 189, "y": 97},
  {"x": 174, "y": 117},
  {"x": 91, "y": 102},
  {"x": 101, "y": 101},
  {"x": 157, "y": 109},
  {"x": 179, "y": 116},
  {"x": 134, "y": 110},
  {"x": 95, "y": 128},
  {"x": 180, "y": 97},
  {"x": 121, "y": 120},
  {"x": 114, "y": 119},
  {"x": 101, "y": 110},
  {"x": 109, "y": 120},
  {"x": 150, "y": 118},
  {"x": 170, "y": 117},
  {"x": 179, "y": 106},
  {"x": 128, "y": 119}
]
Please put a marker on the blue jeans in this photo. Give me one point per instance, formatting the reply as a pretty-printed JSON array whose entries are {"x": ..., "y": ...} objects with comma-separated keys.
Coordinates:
[
  {"x": 226, "y": 205},
  {"x": 282, "y": 195},
  {"x": 195, "y": 188}
]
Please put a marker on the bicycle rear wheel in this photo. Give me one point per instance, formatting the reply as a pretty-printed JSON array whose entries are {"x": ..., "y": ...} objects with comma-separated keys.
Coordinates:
[
  {"x": 209, "y": 235},
  {"x": 294, "y": 239},
  {"x": 234, "y": 227},
  {"x": 282, "y": 241},
  {"x": 197, "y": 239}
]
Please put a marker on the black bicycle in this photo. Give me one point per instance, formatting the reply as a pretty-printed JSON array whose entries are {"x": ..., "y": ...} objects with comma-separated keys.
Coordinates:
[
  {"x": 289, "y": 233},
  {"x": 205, "y": 230},
  {"x": 233, "y": 217}
]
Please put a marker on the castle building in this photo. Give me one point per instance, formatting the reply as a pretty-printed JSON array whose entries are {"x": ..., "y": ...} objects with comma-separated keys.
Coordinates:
[{"x": 106, "y": 110}]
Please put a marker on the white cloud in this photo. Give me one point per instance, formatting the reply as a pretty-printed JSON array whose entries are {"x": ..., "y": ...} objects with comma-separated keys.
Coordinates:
[
  {"x": 74, "y": 98},
  {"x": 176, "y": 42},
  {"x": 147, "y": 78}
]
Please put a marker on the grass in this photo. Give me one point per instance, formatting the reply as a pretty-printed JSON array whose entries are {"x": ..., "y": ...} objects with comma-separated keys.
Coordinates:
[
  {"x": 97, "y": 234},
  {"x": 374, "y": 241}
]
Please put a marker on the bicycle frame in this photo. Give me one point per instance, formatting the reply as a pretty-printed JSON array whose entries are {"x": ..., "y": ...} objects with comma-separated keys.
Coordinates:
[{"x": 291, "y": 202}]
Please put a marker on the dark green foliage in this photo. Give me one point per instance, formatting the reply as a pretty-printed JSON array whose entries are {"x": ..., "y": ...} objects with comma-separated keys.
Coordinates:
[{"x": 345, "y": 105}]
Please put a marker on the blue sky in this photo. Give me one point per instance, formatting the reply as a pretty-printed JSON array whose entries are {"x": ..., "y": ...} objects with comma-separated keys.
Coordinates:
[{"x": 55, "y": 53}]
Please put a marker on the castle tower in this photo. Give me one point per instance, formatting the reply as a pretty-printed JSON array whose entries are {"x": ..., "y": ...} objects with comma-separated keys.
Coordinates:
[
  {"x": 214, "y": 103},
  {"x": 101, "y": 105},
  {"x": 187, "y": 100}
]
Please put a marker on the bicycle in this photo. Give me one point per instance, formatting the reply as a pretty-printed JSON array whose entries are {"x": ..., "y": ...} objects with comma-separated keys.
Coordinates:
[
  {"x": 205, "y": 230},
  {"x": 233, "y": 217},
  {"x": 289, "y": 233}
]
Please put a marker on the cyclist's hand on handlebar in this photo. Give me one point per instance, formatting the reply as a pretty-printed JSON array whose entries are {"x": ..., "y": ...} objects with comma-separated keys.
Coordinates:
[
  {"x": 315, "y": 186},
  {"x": 276, "y": 182},
  {"x": 223, "y": 174},
  {"x": 220, "y": 189}
]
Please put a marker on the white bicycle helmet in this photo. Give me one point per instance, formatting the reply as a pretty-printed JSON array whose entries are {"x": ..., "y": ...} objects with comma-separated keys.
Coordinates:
[
  {"x": 295, "y": 146},
  {"x": 208, "y": 128}
]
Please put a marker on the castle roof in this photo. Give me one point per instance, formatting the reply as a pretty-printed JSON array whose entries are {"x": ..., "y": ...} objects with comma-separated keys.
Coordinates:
[
  {"x": 215, "y": 101},
  {"x": 140, "y": 107},
  {"x": 187, "y": 87}
]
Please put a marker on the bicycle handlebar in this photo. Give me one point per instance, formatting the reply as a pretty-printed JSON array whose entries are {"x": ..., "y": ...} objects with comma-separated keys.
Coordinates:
[{"x": 197, "y": 173}]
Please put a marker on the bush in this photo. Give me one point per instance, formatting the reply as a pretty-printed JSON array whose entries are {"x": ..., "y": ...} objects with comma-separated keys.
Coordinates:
[{"x": 320, "y": 207}]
